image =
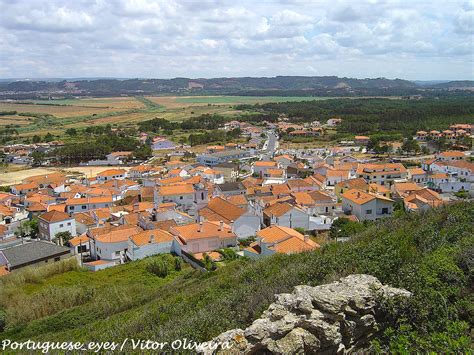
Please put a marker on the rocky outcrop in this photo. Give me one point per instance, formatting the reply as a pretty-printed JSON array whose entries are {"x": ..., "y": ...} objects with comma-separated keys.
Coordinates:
[{"x": 333, "y": 318}]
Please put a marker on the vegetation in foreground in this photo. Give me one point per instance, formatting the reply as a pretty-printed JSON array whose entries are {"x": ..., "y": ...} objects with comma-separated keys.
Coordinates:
[{"x": 430, "y": 254}]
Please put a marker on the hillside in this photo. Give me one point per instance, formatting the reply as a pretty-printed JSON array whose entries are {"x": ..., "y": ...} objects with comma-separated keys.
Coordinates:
[
  {"x": 304, "y": 85},
  {"x": 429, "y": 254}
]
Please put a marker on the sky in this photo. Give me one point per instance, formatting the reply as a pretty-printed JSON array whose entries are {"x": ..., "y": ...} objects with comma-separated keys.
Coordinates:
[{"x": 415, "y": 40}]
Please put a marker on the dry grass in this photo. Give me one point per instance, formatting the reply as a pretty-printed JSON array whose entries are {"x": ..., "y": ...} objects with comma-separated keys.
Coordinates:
[
  {"x": 16, "y": 174},
  {"x": 33, "y": 274}
]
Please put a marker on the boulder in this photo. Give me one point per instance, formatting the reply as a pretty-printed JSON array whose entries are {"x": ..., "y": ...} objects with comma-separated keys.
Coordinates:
[{"x": 333, "y": 318}]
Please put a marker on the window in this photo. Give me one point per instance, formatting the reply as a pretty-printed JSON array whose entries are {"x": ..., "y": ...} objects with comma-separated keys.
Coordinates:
[
  {"x": 57, "y": 259},
  {"x": 61, "y": 225},
  {"x": 180, "y": 197},
  {"x": 385, "y": 210},
  {"x": 68, "y": 223},
  {"x": 84, "y": 207},
  {"x": 117, "y": 253},
  {"x": 71, "y": 207},
  {"x": 368, "y": 211}
]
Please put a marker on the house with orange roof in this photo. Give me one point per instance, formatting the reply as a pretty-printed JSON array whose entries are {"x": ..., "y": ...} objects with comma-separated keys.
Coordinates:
[
  {"x": 323, "y": 204},
  {"x": 215, "y": 148},
  {"x": 345, "y": 185},
  {"x": 450, "y": 182},
  {"x": 334, "y": 176},
  {"x": 243, "y": 221},
  {"x": 422, "y": 199},
  {"x": 301, "y": 185},
  {"x": 111, "y": 174},
  {"x": 148, "y": 243},
  {"x": 203, "y": 237},
  {"x": 47, "y": 179},
  {"x": 260, "y": 167},
  {"x": 111, "y": 243},
  {"x": 238, "y": 200},
  {"x": 466, "y": 127},
  {"x": 417, "y": 175},
  {"x": 462, "y": 169},
  {"x": 317, "y": 181},
  {"x": 284, "y": 160},
  {"x": 80, "y": 245},
  {"x": 53, "y": 222},
  {"x": 421, "y": 135},
  {"x": 274, "y": 176},
  {"x": 436, "y": 179},
  {"x": 163, "y": 218},
  {"x": 84, "y": 221},
  {"x": 278, "y": 239},
  {"x": 361, "y": 140},
  {"x": 450, "y": 155},
  {"x": 24, "y": 188},
  {"x": 85, "y": 204},
  {"x": 380, "y": 190},
  {"x": 286, "y": 215},
  {"x": 382, "y": 173},
  {"x": 182, "y": 195},
  {"x": 366, "y": 205},
  {"x": 142, "y": 171}
]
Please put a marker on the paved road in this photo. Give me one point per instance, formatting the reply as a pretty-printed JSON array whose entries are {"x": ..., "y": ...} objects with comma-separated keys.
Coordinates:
[{"x": 270, "y": 146}]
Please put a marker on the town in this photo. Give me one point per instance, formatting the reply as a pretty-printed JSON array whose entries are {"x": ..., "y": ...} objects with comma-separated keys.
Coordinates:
[{"x": 249, "y": 199}]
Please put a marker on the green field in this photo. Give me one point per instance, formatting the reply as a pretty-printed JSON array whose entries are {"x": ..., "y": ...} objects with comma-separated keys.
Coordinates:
[{"x": 246, "y": 99}]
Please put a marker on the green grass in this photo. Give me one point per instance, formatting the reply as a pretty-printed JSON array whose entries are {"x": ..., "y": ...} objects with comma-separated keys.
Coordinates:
[
  {"x": 246, "y": 99},
  {"x": 38, "y": 293},
  {"x": 429, "y": 254}
]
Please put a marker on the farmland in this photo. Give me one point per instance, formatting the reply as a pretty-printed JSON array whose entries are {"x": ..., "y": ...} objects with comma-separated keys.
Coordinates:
[{"x": 38, "y": 117}]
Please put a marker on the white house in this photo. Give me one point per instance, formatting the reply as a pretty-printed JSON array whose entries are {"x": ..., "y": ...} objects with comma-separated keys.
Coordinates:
[
  {"x": 111, "y": 174},
  {"x": 366, "y": 206},
  {"x": 111, "y": 243},
  {"x": 149, "y": 242},
  {"x": 286, "y": 215},
  {"x": 54, "y": 222},
  {"x": 244, "y": 223},
  {"x": 203, "y": 237},
  {"x": 278, "y": 239}
]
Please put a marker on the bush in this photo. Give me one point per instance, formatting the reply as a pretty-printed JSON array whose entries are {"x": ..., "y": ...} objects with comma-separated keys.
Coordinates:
[
  {"x": 158, "y": 267},
  {"x": 177, "y": 264},
  {"x": 228, "y": 254}
]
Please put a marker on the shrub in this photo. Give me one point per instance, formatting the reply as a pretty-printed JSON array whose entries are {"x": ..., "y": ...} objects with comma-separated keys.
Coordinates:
[
  {"x": 177, "y": 264},
  {"x": 158, "y": 267}
]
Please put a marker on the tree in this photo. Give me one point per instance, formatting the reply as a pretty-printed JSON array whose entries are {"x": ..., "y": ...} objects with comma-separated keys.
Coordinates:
[
  {"x": 410, "y": 145},
  {"x": 142, "y": 152},
  {"x": 48, "y": 137},
  {"x": 38, "y": 158},
  {"x": 28, "y": 228},
  {"x": 63, "y": 237},
  {"x": 36, "y": 139},
  {"x": 71, "y": 132},
  {"x": 344, "y": 228}
]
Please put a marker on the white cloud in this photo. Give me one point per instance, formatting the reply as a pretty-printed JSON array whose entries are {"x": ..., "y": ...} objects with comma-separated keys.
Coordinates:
[{"x": 167, "y": 38}]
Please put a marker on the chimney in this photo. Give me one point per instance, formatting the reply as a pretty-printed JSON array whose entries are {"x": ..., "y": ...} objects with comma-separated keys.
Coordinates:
[
  {"x": 200, "y": 227},
  {"x": 152, "y": 239},
  {"x": 306, "y": 238},
  {"x": 221, "y": 225},
  {"x": 358, "y": 194}
]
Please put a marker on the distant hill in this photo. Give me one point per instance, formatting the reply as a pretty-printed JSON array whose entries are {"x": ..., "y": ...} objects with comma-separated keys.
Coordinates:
[
  {"x": 279, "y": 85},
  {"x": 455, "y": 84}
]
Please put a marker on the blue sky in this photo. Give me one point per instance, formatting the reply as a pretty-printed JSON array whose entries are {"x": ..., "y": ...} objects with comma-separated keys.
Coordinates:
[{"x": 423, "y": 40}]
